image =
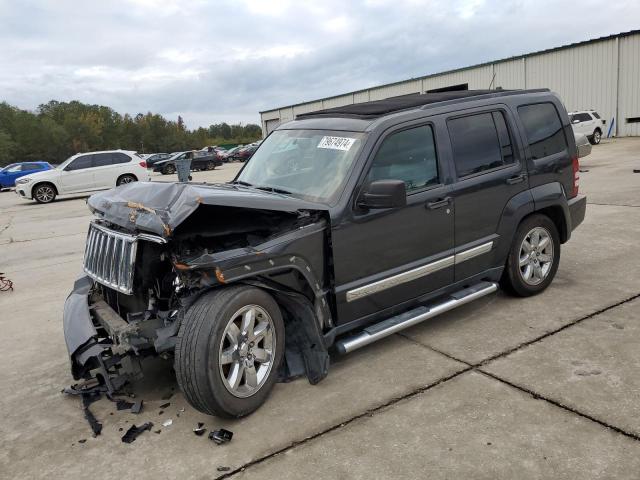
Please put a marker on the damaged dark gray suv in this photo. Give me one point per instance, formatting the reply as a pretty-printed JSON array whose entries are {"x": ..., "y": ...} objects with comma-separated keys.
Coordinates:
[{"x": 347, "y": 225}]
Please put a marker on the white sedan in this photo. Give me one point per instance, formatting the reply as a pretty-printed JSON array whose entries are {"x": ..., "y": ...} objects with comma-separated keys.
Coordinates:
[{"x": 84, "y": 172}]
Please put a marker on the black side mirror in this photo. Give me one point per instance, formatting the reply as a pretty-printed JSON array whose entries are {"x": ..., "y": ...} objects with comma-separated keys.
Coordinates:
[{"x": 384, "y": 194}]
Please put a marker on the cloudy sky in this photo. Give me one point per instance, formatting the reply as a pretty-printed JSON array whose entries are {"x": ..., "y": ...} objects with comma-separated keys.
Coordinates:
[{"x": 226, "y": 60}]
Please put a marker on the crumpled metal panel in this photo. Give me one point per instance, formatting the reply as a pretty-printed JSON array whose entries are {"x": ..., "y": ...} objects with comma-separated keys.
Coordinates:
[{"x": 159, "y": 207}]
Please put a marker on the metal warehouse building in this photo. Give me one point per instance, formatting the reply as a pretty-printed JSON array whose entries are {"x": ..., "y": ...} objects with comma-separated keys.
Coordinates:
[{"x": 601, "y": 74}]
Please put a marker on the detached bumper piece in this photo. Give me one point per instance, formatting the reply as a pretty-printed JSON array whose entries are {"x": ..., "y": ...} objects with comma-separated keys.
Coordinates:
[{"x": 89, "y": 337}]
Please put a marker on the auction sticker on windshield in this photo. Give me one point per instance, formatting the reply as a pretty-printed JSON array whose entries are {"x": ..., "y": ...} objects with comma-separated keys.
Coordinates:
[{"x": 336, "y": 143}]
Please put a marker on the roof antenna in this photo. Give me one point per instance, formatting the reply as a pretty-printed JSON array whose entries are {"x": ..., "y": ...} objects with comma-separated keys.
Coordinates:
[{"x": 492, "y": 80}]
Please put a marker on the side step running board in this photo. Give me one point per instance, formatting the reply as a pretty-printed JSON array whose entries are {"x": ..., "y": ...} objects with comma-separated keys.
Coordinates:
[{"x": 413, "y": 317}]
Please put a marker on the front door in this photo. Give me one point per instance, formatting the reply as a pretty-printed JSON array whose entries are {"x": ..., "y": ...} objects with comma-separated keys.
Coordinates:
[
  {"x": 384, "y": 257},
  {"x": 489, "y": 173},
  {"x": 78, "y": 175}
]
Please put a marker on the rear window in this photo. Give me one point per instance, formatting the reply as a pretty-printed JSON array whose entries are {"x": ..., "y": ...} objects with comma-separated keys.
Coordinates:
[
  {"x": 595, "y": 114},
  {"x": 480, "y": 142},
  {"x": 543, "y": 128}
]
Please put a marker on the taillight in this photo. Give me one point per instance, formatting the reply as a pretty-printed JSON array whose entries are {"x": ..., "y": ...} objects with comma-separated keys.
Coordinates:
[
  {"x": 576, "y": 176},
  {"x": 143, "y": 164}
]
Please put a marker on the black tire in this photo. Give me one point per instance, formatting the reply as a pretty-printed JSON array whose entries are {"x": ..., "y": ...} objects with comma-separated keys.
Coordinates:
[
  {"x": 596, "y": 137},
  {"x": 126, "y": 178},
  {"x": 199, "y": 373},
  {"x": 513, "y": 280},
  {"x": 44, "y": 193},
  {"x": 211, "y": 166},
  {"x": 168, "y": 169}
]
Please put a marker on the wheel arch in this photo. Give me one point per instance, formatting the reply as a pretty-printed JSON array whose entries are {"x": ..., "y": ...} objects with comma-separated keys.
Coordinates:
[
  {"x": 45, "y": 182},
  {"x": 128, "y": 174}
]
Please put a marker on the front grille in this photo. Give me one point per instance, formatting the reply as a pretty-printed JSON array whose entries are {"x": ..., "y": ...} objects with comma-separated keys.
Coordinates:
[{"x": 110, "y": 257}]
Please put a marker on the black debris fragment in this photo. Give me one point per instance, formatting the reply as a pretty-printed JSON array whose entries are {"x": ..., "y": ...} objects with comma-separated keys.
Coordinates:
[
  {"x": 158, "y": 431},
  {"x": 221, "y": 436},
  {"x": 87, "y": 400},
  {"x": 165, "y": 405},
  {"x": 82, "y": 440},
  {"x": 137, "y": 406},
  {"x": 124, "y": 405},
  {"x": 133, "y": 432},
  {"x": 200, "y": 430},
  {"x": 160, "y": 412},
  {"x": 224, "y": 469}
]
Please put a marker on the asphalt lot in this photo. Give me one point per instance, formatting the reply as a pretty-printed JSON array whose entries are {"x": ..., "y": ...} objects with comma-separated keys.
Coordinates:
[{"x": 545, "y": 387}]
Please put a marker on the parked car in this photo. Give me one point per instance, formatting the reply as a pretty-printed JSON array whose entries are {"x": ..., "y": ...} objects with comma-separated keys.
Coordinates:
[
  {"x": 346, "y": 226},
  {"x": 245, "y": 153},
  {"x": 10, "y": 173},
  {"x": 156, "y": 157},
  {"x": 201, "y": 161},
  {"x": 589, "y": 123},
  {"x": 84, "y": 172},
  {"x": 227, "y": 156}
]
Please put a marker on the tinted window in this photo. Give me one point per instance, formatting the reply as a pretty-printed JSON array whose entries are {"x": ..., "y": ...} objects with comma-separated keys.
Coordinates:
[
  {"x": 118, "y": 158},
  {"x": 30, "y": 166},
  {"x": 543, "y": 128},
  {"x": 581, "y": 117},
  {"x": 80, "y": 163},
  {"x": 102, "y": 159},
  {"x": 480, "y": 142},
  {"x": 595, "y": 114},
  {"x": 410, "y": 156}
]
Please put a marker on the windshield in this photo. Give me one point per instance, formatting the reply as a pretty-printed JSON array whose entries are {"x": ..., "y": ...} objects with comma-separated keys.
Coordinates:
[
  {"x": 310, "y": 164},
  {"x": 65, "y": 163},
  {"x": 10, "y": 168}
]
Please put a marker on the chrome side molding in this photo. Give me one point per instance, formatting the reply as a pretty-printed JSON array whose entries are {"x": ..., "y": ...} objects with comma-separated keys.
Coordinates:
[{"x": 418, "y": 272}]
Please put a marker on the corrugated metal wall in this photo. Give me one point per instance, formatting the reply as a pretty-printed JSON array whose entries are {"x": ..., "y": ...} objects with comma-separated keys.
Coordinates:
[
  {"x": 603, "y": 75},
  {"x": 629, "y": 85}
]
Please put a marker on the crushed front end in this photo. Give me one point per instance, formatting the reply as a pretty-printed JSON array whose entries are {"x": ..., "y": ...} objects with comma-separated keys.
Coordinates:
[{"x": 124, "y": 307}]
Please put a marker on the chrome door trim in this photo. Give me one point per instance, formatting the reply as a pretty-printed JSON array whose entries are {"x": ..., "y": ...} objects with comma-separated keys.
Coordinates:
[{"x": 415, "y": 273}]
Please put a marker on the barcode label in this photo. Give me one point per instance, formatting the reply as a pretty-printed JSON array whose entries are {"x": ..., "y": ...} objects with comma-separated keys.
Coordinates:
[{"x": 336, "y": 143}]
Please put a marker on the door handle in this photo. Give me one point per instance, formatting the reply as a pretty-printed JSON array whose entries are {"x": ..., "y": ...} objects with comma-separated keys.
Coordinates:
[
  {"x": 516, "y": 179},
  {"x": 439, "y": 203}
]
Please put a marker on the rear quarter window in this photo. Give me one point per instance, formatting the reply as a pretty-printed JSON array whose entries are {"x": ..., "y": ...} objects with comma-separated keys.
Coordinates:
[{"x": 543, "y": 128}]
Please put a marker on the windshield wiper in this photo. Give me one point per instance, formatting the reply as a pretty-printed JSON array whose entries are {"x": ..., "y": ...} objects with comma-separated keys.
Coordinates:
[
  {"x": 274, "y": 190},
  {"x": 240, "y": 182}
]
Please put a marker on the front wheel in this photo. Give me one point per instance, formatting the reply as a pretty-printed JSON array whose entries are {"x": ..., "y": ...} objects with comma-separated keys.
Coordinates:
[
  {"x": 210, "y": 165},
  {"x": 44, "y": 193},
  {"x": 596, "y": 137},
  {"x": 168, "y": 170},
  {"x": 229, "y": 348},
  {"x": 534, "y": 257}
]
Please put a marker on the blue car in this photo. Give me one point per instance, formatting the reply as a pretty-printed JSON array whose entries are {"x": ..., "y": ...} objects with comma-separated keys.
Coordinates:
[{"x": 10, "y": 173}]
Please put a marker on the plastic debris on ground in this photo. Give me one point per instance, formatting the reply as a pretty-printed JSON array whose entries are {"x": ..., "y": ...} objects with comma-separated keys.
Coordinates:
[
  {"x": 134, "y": 431},
  {"x": 123, "y": 405},
  {"x": 223, "y": 469},
  {"x": 164, "y": 405},
  {"x": 137, "y": 406},
  {"x": 221, "y": 436},
  {"x": 200, "y": 430},
  {"x": 167, "y": 423}
]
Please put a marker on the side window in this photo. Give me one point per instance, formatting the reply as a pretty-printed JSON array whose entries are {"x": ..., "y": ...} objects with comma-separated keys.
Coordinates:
[
  {"x": 102, "y": 159},
  {"x": 32, "y": 166},
  {"x": 118, "y": 158},
  {"x": 410, "y": 156},
  {"x": 81, "y": 163},
  {"x": 543, "y": 128},
  {"x": 595, "y": 114},
  {"x": 480, "y": 142}
]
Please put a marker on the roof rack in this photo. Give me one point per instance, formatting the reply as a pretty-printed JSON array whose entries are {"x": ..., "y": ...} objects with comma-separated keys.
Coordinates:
[{"x": 379, "y": 108}]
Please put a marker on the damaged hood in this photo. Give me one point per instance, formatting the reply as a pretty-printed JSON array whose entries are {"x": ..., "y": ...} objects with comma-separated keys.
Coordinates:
[{"x": 159, "y": 207}]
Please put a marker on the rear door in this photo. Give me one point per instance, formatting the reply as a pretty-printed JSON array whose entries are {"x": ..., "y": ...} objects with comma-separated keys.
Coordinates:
[
  {"x": 78, "y": 175},
  {"x": 488, "y": 173},
  {"x": 109, "y": 166},
  {"x": 384, "y": 257}
]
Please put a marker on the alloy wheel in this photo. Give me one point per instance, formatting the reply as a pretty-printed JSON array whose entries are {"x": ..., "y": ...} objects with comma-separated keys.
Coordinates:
[
  {"x": 45, "y": 194},
  {"x": 246, "y": 351},
  {"x": 536, "y": 256}
]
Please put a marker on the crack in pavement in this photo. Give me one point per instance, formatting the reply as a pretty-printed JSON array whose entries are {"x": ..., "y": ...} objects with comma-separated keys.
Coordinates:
[
  {"x": 8, "y": 224},
  {"x": 367, "y": 413},
  {"x": 470, "y": 367},
  {"x": 613, "y": 205}
]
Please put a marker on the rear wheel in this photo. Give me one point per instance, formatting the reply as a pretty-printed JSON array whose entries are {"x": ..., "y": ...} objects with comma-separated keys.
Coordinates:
[
  {"x": 596, "y": 137},
  {"x": 44, "y": 193},
  {"x": 229, "y": 348},
  {"x": 534, "y": 257},
  {"x": 128, "y": 178},
  {"x": 168, "y": 169},
  {"x": 211, "y": 165}
]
